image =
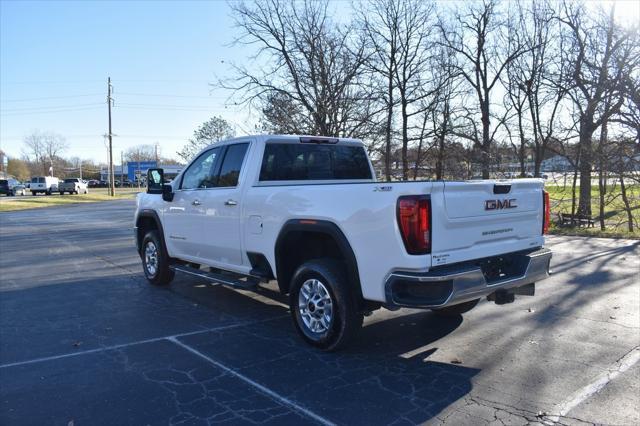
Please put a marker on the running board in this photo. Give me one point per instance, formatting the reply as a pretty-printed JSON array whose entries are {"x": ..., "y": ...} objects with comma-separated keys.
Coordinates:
[{"x": 236, "y": 281}]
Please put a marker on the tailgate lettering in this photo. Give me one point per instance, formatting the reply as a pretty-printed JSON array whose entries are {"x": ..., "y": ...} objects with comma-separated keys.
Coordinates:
[{"x": 500, "y": 204}]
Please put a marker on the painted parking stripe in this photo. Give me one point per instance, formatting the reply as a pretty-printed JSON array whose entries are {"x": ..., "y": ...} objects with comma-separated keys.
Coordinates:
[
  {"x": 139, "y": 342},
  {"x": 283, "y": 400},
  {"x": 622, "y": 365}
]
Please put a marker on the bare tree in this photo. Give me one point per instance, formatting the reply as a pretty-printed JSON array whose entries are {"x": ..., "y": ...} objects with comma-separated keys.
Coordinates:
[
  {"x": 310, "y": 63},
  {"x": 479, "y": 35},
  {"x": 43, "y": 148},
  {"x": 140, "y": 153},
  {"x": 599, "y": 56},
  {"x": 414, "y": 35},
  {"x": 380, "y": 24}
]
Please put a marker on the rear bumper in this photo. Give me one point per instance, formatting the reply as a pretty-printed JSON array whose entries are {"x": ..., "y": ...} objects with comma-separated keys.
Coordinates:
[{"x": 459, "y": 283}]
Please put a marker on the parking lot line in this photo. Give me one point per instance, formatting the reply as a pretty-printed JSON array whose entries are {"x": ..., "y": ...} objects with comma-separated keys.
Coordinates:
[
  {"x": 261, "y": 388},
  {"x": 138, "y": 342},
  {"x": 622, "y": 365}
]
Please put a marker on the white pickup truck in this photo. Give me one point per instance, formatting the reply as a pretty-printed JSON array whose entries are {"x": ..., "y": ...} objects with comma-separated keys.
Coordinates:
[{"x": 308, "y": 212}]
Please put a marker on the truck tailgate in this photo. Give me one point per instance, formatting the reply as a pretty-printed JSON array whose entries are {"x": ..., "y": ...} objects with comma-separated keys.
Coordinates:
[{"x": 477, "y": 219}]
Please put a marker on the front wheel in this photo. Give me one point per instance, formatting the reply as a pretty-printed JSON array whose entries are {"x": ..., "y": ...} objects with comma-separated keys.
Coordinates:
[
  {"x": 455, "y": 310},
  {"x": 33, "y": 193},
  {"x": 323, "y": 308},
  {"x": 155, "y": 260}
]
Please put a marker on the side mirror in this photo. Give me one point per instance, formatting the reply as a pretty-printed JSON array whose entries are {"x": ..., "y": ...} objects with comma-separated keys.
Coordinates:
[
  {"x": 155, "y": 181},
  {"x": 167, "y": 192}
]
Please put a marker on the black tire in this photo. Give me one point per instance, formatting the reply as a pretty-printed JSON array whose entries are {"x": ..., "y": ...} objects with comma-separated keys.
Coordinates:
[
  {"x": 455, "y": 310},
  {"x": 346, "y": 319},
  {"x": 61, "y": 192},
  {"x": 158, "y": 274},
  {"x": 33, "y": 193}
]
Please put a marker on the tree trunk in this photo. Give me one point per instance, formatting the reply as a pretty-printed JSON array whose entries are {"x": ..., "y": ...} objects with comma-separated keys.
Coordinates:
[
  {"x": 586, "y": 133},
  {"x": 521, "y": 151},
  {"x": 387, "y": 131},
  {"x": 625, "y": 199},
  {"x": 405, "y": 137},
  {"x": 441, "y": 141},
  {"x": 601, "y": 189},
  {"x": 440, "y": 159},
  {"x": 573, "y": 184},
  {"x": 537, "y": 164},
  {"x": 486, "y": 141}
]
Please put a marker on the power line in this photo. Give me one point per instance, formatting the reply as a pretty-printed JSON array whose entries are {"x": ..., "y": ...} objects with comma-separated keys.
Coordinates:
[
  {"x": 51, "y": 97},
  {"x": 11, "y": 114},
  {"x": 171, "y": 96},
  {"x": 51, "y": 107}
]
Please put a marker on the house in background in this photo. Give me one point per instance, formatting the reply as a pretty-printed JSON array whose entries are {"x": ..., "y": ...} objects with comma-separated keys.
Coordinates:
[{"x": 557, "y": 163}]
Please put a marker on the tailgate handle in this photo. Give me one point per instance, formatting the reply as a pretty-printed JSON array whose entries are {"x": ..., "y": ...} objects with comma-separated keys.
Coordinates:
[{"x": 501, "y": 188}]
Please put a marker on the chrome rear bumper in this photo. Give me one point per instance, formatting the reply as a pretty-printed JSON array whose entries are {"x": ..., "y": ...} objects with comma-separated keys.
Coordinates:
[{"x": 459, "y": 283}]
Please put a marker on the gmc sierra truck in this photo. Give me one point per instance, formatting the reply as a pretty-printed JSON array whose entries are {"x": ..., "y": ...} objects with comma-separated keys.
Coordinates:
[{"x": 308, "y": 212}]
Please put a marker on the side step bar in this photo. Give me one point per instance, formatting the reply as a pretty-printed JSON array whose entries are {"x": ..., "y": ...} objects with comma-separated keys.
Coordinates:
[{"x": 232, "y": 280}]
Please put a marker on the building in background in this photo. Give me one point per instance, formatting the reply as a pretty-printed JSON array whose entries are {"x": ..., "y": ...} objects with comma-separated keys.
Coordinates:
[{"x": 133, "y": 172}]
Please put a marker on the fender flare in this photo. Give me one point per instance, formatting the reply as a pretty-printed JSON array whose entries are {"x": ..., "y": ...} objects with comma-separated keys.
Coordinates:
[
  {"x": 322, "y": 227},
  {"x": 153, "y": 215}
]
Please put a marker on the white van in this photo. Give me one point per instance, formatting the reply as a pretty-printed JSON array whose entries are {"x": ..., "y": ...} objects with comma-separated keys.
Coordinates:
[{"x": 46, "y": 184}]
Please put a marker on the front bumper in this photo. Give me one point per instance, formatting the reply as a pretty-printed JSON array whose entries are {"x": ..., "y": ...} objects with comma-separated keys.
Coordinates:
[{"x": 458, "y": 283}]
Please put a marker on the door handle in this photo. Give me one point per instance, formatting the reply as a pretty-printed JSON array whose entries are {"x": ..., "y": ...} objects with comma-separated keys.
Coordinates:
[
  {"x": 231, "y": 203},
  {"x": 196, "y": 202}
]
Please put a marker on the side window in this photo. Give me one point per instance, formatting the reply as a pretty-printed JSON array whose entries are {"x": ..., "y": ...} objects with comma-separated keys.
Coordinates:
[
  {"x": 200, "y": 173},
  {"x": 230, "y": 170}
]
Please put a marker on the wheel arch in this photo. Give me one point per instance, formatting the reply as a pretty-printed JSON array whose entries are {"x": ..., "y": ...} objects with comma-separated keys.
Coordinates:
[
  {"x": 301, "y": 240},
  {"x": 146, "y": 221}
]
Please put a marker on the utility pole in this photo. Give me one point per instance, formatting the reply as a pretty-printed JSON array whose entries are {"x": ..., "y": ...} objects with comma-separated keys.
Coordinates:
[
  {"x": 112, "y": 183},
  {"x": 121, "y": 169},
  {"x": 80, "y": 169},
  {"x": 156, "y": 146}
]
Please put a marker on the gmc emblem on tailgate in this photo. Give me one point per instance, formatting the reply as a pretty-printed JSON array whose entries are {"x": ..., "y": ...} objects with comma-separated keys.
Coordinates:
[{"x": 500, "y": 204}]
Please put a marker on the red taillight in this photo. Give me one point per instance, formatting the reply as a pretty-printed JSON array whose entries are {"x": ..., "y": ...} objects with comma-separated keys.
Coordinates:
[
  {"x": 546, "y": 208},
  {"x": 414, "y": 219}
]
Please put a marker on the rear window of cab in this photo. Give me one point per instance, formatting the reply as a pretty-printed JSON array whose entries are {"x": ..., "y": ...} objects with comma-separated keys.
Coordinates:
[{"x": 288, "y": 162}]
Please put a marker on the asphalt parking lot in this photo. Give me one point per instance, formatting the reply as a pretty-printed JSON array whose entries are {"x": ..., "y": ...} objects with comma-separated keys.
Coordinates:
[{"x": 85, "y": 340}]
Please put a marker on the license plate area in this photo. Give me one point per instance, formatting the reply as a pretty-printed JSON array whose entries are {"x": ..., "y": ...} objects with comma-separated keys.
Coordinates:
[{"x": 500, "y": 268}]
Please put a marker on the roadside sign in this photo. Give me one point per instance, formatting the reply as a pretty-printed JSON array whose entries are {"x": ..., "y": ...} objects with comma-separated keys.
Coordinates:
[{"x": 138, "y": 169}]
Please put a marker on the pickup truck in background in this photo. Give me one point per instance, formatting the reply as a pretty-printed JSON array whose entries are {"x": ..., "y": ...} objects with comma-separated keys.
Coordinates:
[
  {"x": 308, "y": 212},
  {"x": 73, "y": 186}
]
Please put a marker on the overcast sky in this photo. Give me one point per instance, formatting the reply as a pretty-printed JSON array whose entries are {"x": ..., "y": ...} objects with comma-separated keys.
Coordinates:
[{"x": 56, "y": 56}]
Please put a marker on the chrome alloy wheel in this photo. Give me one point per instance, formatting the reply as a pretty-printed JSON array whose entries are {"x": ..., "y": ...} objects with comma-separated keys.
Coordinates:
[
  {"x": 315, "y": 306},
  {"x": 151, "y": 257}
]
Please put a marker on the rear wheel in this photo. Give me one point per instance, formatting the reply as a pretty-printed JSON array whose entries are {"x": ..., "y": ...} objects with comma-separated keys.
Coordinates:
[
  {"x": 323, "y": 308},
  {"x": 61, "y": 192},
  {"x": 459, "y": 309},
  {"x": 33, "y": 193},
  {"x": 155, "y": 260}
]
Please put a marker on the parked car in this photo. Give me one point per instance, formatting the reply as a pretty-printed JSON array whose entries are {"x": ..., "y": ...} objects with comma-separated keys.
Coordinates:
[
  {"x": 20, "y": 189},
  {"x": 308, "y": 212},
  {"x": 73, "y": 186},
  {"x": 45, "y": 184},
  {"x": 92, "y": 183},
  {"x": 10, "y": 186}
]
